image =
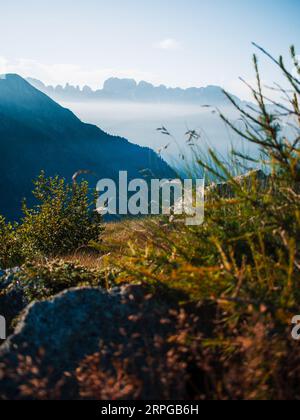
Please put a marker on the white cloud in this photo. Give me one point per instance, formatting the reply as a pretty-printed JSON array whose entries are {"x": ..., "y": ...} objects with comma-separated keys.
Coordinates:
[
  {"x": 168, "y": 44},
  {"x": 62, "y": 73}
]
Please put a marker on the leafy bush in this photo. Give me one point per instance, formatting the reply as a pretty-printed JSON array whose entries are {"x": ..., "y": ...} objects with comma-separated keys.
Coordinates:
[{"x": 245, "y": 258}]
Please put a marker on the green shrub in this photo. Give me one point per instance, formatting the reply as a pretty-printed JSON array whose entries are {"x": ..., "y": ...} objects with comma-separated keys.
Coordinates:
[{"x": 10, "y": 246}]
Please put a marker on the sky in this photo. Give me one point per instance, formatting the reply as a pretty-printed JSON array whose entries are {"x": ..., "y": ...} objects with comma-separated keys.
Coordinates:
[{"x": 174, "y": 42}]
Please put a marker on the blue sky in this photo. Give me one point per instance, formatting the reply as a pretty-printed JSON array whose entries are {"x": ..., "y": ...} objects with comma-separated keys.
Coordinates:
[{"x": 175, "y": 42}]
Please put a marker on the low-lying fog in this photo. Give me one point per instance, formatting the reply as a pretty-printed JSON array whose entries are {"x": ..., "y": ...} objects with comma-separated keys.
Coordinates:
[{"x": 138, "y": 122}]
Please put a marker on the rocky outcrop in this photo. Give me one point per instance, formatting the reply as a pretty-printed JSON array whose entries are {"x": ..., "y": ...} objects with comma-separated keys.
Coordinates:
[{"x": 12, "y": 297}]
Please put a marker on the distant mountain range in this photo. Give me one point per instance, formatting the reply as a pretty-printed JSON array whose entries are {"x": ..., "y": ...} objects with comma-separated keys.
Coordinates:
[
  {"x": 38, "y": 134},
  {"x": 115, "y": 89}
]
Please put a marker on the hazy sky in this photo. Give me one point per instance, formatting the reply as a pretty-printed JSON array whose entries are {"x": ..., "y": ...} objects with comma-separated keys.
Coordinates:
[{"x": 175, "y": 42}]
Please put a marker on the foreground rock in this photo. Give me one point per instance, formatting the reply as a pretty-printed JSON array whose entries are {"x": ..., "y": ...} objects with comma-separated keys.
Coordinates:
[{"x": 53, "y": 337}]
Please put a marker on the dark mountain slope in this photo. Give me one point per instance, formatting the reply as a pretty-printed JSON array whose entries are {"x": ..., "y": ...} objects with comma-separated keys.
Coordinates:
[{"x": 38, "y": 134}]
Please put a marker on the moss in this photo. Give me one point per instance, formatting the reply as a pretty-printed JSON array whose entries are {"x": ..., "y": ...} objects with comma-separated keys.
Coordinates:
[{"x": 44, "y": 279}]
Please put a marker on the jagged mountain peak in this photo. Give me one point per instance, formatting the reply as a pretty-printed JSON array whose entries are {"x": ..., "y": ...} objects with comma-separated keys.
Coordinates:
[{"x": 116, "y": 88}]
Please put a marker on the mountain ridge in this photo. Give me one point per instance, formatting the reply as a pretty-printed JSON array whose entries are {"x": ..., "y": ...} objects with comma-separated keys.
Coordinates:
[{"x": 128, "y": 89}]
